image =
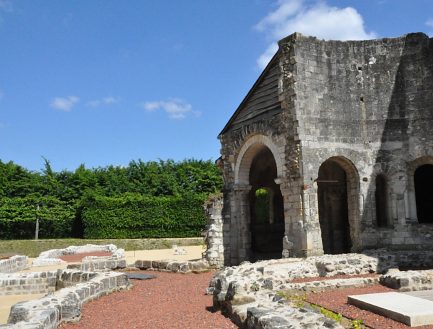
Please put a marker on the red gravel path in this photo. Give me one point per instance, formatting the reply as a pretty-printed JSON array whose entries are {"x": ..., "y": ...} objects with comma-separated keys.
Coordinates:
[
  {"x": 337, "y": 301},
  {"x": 78, "y": 257},
  {"x": 168, "y": 301}
]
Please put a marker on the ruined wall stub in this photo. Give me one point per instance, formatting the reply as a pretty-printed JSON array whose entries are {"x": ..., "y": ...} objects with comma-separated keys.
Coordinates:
[{"x": 367, "y": 106}]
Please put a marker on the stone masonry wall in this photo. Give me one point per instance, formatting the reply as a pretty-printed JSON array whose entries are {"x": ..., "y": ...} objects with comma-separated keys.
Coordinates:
[
  {"x": 369, "y": 104},
  {"x": 214, "y": 253},
  {"x": 14, "y": 264},
  {"x": 27, "y": 283},
  {"x": 237, "y": 151},
  {"x": 239, "y": 146}
]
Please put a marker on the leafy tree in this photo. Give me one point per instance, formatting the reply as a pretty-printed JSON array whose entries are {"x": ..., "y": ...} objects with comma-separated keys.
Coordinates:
[{"x": 21, "y": 190}]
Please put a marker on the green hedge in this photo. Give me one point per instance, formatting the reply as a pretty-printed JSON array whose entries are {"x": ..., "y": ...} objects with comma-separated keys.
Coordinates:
[
  {"x": 18, "y": 218},
  {"x": 133, "y": 216}
]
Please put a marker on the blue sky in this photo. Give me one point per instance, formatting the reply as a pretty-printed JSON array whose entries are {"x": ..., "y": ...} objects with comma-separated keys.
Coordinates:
[{"x": 105, "y": 82}]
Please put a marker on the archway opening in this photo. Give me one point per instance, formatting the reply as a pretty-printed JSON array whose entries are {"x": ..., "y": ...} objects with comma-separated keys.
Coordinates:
[
  {"x": 266, "y": 207},
  {"x": 333, "y": 208},
  {"x": 381, "y": 201},
  {"x": 424, "y": 193}
]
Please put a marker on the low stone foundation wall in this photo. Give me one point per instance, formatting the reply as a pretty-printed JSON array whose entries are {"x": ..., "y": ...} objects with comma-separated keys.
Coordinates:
[
  {"x": 42, "y": 282},
  {"x": 51, "y": 257},
  {"x": 14, "y": 264},
  {"x": 344, "y": 264},
  {"x": 27, "y": 283},
  {"x": 99, "y": 264},
  {"x": 173, "y": 266},
  {"x": 325, "y": 285},
  {"x": 408, "y": 280},
  {"x": 64, "y": 304},
  {"x": 252, "y": 294},
  {"x": 406, "y": 259},
  {"x": 68, "y": 278}
]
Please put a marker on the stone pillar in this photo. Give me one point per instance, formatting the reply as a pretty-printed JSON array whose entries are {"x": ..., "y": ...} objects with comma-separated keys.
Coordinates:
[
  {"x": 393, "y": 206},
  {"x": 400, "y": 204},
  {"x": 412, "y": 205},
  {"x": 214, "y": 253},
  {"x": 242, "y": 223},
  {"x": 401, "y": 209},
  {"x": 296, "y": 210}
]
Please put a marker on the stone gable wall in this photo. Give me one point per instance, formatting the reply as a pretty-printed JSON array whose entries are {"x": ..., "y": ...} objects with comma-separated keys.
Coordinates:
[{"x": 368, "y": 105}]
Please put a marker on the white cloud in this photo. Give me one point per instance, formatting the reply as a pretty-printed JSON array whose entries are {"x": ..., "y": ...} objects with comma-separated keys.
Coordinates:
[
  {"x": 175, "y": 108},
  {"x": 285, "y": 10},
  {"x": 429, "y": 23},
  {"x": 264, "y": 58},
  {"x": 319, "y": 20},
  {"x": 64, "y": 103},
  {"x": 103, "y": 101}
]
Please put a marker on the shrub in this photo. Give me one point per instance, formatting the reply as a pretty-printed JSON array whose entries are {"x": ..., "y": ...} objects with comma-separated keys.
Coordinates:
[
  {"x": 136, "y": 216},
  {"x": 18, "y": 217}
]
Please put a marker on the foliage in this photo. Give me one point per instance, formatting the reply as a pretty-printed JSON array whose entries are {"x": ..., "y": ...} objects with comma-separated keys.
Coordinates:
[
  {"x": 153, "y": 178},
  {"x": 18, "y": 217},
  {"x": 356, "y": 324},
  {"x": 262, "y": 205},
  {"x": 155, "y": 194},
  {"x": 136, "y": 216},
  {"x": 300, "y": 301},
  {"x": 297, "y": 300},
  {"x": 337, "y": 317},
  {"x": 254, "y": 286}
]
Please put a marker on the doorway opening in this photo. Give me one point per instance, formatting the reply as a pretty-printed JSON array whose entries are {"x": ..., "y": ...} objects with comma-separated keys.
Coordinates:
[
  {"x": 424, "y": 193},
  {"x": 333, "y": 208},
  {"x": 266, "y": 207}
]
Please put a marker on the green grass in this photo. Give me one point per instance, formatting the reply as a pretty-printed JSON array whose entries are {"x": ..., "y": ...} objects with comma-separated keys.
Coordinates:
[{"x": 33, "y": 248}]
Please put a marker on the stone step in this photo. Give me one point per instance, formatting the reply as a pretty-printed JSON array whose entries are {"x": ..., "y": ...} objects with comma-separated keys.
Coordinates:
[
  {"x": 410, "y": 310},
  {"x": 425, "y": 294}
]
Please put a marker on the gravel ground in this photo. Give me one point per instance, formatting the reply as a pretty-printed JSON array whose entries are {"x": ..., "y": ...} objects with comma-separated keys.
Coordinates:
[
  {"x": 169, "y": 301},
  {"x": 74, "y": 258},
  {"x": 337, "y": 301}
]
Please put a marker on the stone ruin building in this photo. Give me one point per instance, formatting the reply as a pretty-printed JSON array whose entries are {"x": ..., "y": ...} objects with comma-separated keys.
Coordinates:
[{"x": 331, "y": 151}]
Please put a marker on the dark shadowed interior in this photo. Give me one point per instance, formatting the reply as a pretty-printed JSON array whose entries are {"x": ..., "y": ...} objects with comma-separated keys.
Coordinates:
[
  {"x": 424, "y": 193},
  {"x": 333, "y": 208},
  {"x": 266, "y": 207}
]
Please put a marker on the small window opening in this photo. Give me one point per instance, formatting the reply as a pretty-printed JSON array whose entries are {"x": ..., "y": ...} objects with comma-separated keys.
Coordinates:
[
  {"x": 424, "y": 193},
  {"x": 381, "y": 201}
]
